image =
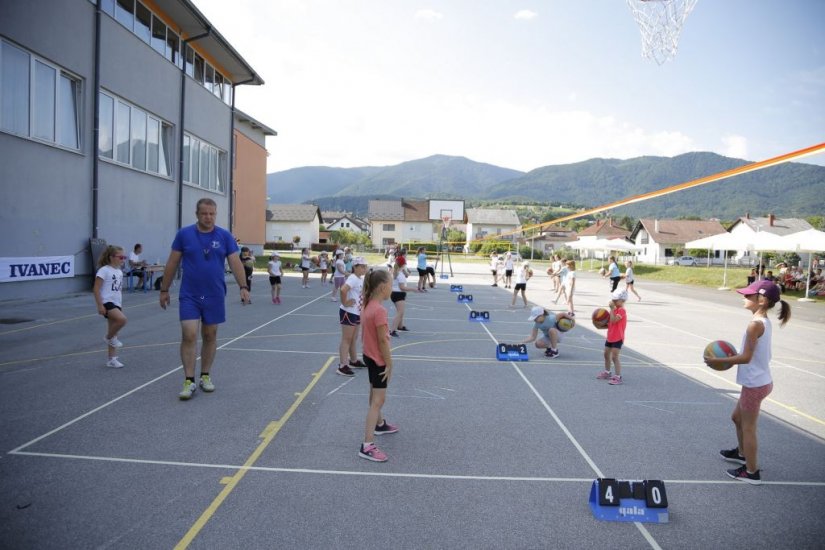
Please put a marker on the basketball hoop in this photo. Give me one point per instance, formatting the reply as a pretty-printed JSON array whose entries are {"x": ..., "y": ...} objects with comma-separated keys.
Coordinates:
[
  {"x": 660, "y": 22},
  {"x": 445, "y": 226}
]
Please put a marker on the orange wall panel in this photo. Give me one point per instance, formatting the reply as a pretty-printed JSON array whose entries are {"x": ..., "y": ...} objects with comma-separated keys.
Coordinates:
[{"x": 249, "y": 177}]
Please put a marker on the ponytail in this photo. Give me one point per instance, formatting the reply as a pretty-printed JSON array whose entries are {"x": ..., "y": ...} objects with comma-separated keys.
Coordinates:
[
  {"x": 784, "y": 312},
  {"x": 104, "y": 257},
  {"x": 372, "y": 280}
]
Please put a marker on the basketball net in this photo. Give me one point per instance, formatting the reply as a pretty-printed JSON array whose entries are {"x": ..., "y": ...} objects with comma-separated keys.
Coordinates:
[
  {"x": 660, "y": 22},
  {"x": 445, "y": 227}
]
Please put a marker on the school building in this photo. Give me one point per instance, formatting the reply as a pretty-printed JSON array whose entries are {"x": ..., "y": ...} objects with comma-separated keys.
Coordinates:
[{"x": 116, "y": 116}]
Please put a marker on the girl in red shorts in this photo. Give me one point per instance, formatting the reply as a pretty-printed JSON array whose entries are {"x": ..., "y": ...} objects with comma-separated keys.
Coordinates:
[{"x": 754, "y": 374}]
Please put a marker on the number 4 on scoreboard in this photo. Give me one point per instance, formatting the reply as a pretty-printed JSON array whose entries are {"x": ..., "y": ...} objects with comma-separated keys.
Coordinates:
[{"x": 608, "y": 492}]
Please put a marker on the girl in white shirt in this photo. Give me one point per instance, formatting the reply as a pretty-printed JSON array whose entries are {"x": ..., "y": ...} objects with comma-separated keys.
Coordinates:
[
  {"x": 523, "y": 274},
  {"x": 398, "y": 295},
  {"x": 109, "y": 298},
  {"x": 275, "y": 277}
]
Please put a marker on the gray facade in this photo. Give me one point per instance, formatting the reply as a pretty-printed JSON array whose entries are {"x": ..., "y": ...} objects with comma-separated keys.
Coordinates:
[{"x": 47, "y": 190}]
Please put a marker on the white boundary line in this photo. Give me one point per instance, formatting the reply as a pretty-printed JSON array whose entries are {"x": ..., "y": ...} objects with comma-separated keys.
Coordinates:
[{"x": 17, "y": 450}]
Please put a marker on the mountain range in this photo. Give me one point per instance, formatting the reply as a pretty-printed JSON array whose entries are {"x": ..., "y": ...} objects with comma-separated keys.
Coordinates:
[{"x": 788, "y": 190}]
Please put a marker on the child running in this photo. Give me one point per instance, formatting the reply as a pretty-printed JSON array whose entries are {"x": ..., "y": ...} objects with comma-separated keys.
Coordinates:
[
  {"x": 378, "y": 358},
  {"x": 275, "y": 277},
  {"x": 615, "y": 338},
  {"x": 109, "y": 298},
  {"x": 629, "y": 279},
  {"x": 523, "y": 275},
  {"x": 349, "y": 316},
  {"x": 399, "y": 298},
  {"x": 545, "y": 321},
  {"x": 754, "y": 374}
]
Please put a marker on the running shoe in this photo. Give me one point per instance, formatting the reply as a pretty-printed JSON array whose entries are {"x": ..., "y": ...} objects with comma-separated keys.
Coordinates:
[
  {"x": 741, "y": 474},
  {"x": 188, "y": 389},
  {"x": 113, "y": 342},
  {"x": 114, "y": 363},
  {"x": 344, "y": 370},
  {"x": 274, "y": 300},
  {"x": 385, "y": 428},
  {"x": 405, "y": 329},
  {"x": 551, "y": 353},
  {"x": 394, "y": 333},
  {"x": 615, "y": 380},
  {"x": 357, "y": 364},
  {"x": 732, "y": 455},
  {"x": 604, "y": 375},
  {"x": 206, "y": 383},
  {"x": 371, "y": 452}
]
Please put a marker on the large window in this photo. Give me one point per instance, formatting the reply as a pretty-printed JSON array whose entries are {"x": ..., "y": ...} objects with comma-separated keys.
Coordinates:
[
  {"x": 37, "y": 98},
  {"x": 141, "y": 140},
  {"x": 204, "y": 165}
]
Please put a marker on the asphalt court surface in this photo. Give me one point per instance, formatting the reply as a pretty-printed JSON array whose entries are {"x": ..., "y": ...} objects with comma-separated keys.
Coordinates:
[{"x": 489, "y": 453}]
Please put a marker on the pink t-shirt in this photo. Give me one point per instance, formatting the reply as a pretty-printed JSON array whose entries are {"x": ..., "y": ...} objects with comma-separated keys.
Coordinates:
[
  {"x": 372, "y": 317},
  {"x": 615, "y": 331}
]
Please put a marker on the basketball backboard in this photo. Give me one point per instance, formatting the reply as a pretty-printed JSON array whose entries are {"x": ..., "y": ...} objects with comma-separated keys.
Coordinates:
[{"x": 441, "y": 208}]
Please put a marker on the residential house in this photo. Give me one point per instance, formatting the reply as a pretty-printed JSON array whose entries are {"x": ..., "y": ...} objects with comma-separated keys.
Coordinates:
[
  {"x": 345, "y": 221},
  {"x": 551, "y": 239},
  {"x": 661, "y": 240},
  {"x": 295, "y": 223},
  {"x": 117, "y": 118},
  {"x": 400, "y": 221},
  {"x": 746, "y": 227},
  {"x": 483, "y": 223},
  {"x": 601, "y": 229},
  {"x": 249, "y": 180}
]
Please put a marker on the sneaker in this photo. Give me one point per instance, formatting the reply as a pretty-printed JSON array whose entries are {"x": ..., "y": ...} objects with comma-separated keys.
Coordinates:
[
  {"x": 357, "y": 364},
  {"x": 615, "y": 380},
  {"x": 344, "y": 370},
  {"x": 371, "y": 452},
  {"x": 571, "y": 313},
  {"x": 188, "y": 389},
  {"x": 385, "y": 428},
  {"x": 405, "y": 329},
  {"x": 551, "y": 353},
  {"x": 393, "y": 333},
  {"x": 604, "y": 375},
  {"x": 114, "y": 363},
  {"x": 114, "y": 342},
  {"x": 741, "y": 474},
  {"x": 733, "y": 455},
  {"x": 274, "y": 300},
  {"x": 494, "y": 284},
  {"x": 278, "y": 300},
  {"x": 206, "y": 383}
]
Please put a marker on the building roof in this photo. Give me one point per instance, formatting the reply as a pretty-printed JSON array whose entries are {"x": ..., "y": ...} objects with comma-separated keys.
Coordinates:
[
  {"x": 677, "y": 231},
  {"x": 240, "y": 116},
  {"x": 330, "y": 216},
  {"x": 193, "y": 23},
  {"x": 493, "y": 216},
  {"x": 360, "y": 224},
  {"x": 416, "y": 211},
  {"x": 386, "y": 210},
  {"x": 605, "y": 229},
  {"x": 292, "y": 212},
  {"x": 772, "y": 224}
]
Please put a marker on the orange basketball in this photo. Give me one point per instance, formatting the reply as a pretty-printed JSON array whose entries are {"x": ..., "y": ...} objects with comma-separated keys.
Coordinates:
[{"x": 600, "y": 318}]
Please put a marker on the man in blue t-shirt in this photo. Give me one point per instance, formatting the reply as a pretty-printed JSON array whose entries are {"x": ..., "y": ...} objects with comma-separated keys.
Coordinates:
[{"x": 203, "y": 248}]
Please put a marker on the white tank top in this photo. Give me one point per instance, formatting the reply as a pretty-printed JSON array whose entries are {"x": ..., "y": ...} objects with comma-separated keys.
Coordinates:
[{"x": 758, "y": 372}]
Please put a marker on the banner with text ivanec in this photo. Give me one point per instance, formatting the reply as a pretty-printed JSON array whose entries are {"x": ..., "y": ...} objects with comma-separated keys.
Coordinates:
[{"x": 32, "y": 269}]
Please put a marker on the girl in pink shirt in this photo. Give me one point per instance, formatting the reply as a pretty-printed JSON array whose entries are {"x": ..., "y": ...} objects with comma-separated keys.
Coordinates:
[
  {"x": 377, "y": 356},
  {"x": 615, "y": 338}
]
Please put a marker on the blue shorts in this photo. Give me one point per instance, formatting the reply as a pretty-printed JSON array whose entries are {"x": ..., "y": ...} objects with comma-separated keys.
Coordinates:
[
  {"x": 348, "y": 319},
  {"x": 211, "y": 310}
]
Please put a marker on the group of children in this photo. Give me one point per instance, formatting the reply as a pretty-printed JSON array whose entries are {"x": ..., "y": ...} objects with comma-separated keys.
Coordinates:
[{"x": 363, "y": 292}]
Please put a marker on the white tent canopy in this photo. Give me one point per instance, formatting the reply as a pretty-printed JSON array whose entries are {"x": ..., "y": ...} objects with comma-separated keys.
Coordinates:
[{"x": 721, "y": 241}]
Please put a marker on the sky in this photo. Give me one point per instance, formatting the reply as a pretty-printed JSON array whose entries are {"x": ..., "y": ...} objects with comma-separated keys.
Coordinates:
[{"x": 524, "y": 83}]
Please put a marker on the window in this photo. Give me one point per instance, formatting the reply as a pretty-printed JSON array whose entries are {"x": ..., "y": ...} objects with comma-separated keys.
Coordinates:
[
  {"x": 194, "y": 160},
  {"x": 143, "y": 22},
  {"x": 173, "y": 48},
  {"x": 142, "y": 141},
  {"x": 204, "y": 165},
  {"x": 209, "y": 78},
  {"x": 125, "y": 13},
  {"x": 186, "y": 157},
  {"x": 190, "y": 62},
  {"x": 218, "y": 89},
  {"x": 38, "y": 99},
  {"x": 388, "y": 227},
  {"x": 159, "y": 36},
  {"x": 198, "y": 76}
]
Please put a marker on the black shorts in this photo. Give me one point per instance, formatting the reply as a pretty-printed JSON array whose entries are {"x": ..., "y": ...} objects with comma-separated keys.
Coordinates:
[
  {"x": 109, "y": 307},
  {"x": 617, "y": 345},
  {"x": 304, "y": 269},
  {"x": 520, "y": 286},
  {"x": 508, "y": 273},
  {"x": 376, "y": 372},
  {"x": 398, "y": 296},
  {"x": 348, "y": 319},
  {"x": 422, "y": 272},
  {"x": 274, "y": 279},
  {"x": 430, "y": 271}
]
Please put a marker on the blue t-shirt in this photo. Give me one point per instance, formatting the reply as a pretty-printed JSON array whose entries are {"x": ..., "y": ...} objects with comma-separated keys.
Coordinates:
[
  {"x": 204, "y": 255},
  {"x": 422, "y": 261},
  {"x": 614, "y": 270},
  {"x": 548, "y": 323}
]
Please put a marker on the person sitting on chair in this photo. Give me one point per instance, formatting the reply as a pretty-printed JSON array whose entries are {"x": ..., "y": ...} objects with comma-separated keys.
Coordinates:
[{"x": 137, "y": 267}]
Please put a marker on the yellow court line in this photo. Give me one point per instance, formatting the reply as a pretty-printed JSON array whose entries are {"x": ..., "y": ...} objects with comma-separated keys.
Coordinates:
[
  {"x": 420, "y": 342},
  {"x": 269, "y": 433}
]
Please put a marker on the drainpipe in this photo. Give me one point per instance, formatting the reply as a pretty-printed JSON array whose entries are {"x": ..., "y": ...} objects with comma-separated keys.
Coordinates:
[
  {"x": 231, "y": 187},
  {"x": 181, "y": 124},
  {"x": 96, "y": 129}
]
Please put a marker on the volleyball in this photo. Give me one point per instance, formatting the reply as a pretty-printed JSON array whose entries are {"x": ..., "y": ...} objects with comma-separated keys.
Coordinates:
[
  {"x": 718, "y": 349},
  {"x": 600, "y": 318},
  {"x": 564, "y": 324}
]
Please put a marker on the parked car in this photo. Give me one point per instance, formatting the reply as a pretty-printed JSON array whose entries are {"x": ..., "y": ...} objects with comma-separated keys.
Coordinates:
[{"x": 683, "y": 260}]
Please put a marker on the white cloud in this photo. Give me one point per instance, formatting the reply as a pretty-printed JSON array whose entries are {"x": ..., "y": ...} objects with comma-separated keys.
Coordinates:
[
  {"x": 525, "y": 14},
  {"x": 428, "y": 14},
  {"x": 735, "y": 146}
]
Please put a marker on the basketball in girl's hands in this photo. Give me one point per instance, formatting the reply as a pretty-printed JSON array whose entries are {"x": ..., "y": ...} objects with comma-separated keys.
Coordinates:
[
  {"x": 602, "y": 272},
  {"x": 600, "y": 318},
  {"x": 564, "y": 324},
  {"x": 719, "y": 349}
]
